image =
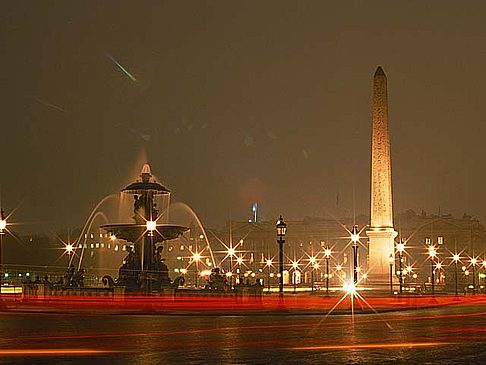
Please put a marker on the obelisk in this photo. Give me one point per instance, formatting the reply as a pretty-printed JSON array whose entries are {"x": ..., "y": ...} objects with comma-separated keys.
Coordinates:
[{"x": 381, "y": 233}]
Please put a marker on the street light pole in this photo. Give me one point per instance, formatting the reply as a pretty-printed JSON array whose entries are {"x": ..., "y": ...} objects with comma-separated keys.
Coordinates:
[
  {"x": 3, "y": 227},
  {"x": 432, "y": 278},
  {"x": 400, "y": 249},
  {"x": 295, "y": 266},
  {"x": 69, "y": 250},
  {"x": 268, "y": 264},
  {"x": 474, "y": 261},
  {"x": 327, "y": 254},
  {"x": 150, "y": 226},
  {"x": 312, "y": 278},
  {"x": 281, "y": 231},
  {"x": 484, "y": 273},
  {"x": 456, "y": 258},
  {"x": 196, "y": 257},
  {"x": 390, "y": 261},
  {"x": 432, "y": 254},
  {"x": 355, "y": 239}
]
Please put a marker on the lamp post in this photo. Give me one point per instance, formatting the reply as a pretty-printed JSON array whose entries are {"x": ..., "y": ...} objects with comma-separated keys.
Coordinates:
[
  {"x": 3, "y": 227},
  {"x": 466, "y": 274},
  {"x": 355, "y": 239},
  {"x": 400, "y": 249},
  {"x": 456, "y": 259},
  {"x": 281, "y": 231},
  {"x": 295, "y": 266},
  {"x": 327, "y": 255},
  {"x": 316, "y": 267},
  {"x": 438, "y": 266},
  {"x": 151, "y": 226},
  {"x": 231, "y": 252},
  {"x": 69, "y": 250},
  {"x": 268, "y": 264},
  {"x": 432, "y": 255},
  {"x": 390, "y": 261},
  {"x": 239, "y": 261},
  {"x": 474, "y": 261},
  {"x": 312, "y": 262},
  {"x": 196, "y": 257},
  {"x": 484, "y": 274}
]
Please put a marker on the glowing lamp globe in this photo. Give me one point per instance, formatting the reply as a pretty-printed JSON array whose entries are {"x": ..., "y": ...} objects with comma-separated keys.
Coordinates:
[
  {"x": 349, "y": 288},
  {"x": 400, "y": 247},
  {"x": 281, "y": 229},
  {"x": 327, "y": 252},
  {"x": 151, "y": 225},
  {"x": 355, "y": 234}
]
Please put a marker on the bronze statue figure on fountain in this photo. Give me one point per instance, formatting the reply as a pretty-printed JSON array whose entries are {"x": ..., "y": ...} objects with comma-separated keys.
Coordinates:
[{"x": 128, "y": 272}]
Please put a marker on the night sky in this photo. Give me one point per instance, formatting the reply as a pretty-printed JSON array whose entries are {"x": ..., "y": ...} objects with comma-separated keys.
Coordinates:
[{"x": 239, "y": 101}]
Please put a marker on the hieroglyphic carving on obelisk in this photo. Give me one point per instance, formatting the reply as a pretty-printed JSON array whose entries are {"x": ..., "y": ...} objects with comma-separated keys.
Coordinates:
[{"x": 381, "y": 233}]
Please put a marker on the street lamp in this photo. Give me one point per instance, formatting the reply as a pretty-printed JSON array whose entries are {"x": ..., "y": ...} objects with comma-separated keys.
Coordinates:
[
  {"x": 484, "y": 267},
  {"x": 438, "y": 266},
  {"x": 3, "y": 222},
  {"x": 456, "y": 259},
  {"x": 231, "y": 252},
  {"x": 400, "y": 249},
  {"x": 239, "y": 261},
  {"x": 391, "y": 260},
  {"x": 196, "y": 257},
  {"x": 268, "y": 264},
  {"x": 150, "y": 226},
  {"x": 69, "y": 250},
  {"x": 474, "y": 262},
  {"x": 355, "y": 239},
  {"x": 3, "y": 227},
  {"x": 312, "y": 262},
  {"x": 316, "y": 267},
  {"x": 281, "y": 231},
  {"x": 432, "y": 255},
  {"x": 327, "y": 255},
  {"x": 295, "y": 266}
]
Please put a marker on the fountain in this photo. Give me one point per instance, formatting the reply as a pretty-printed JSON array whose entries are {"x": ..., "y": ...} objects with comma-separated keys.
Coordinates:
[{"x": 144, "y": 270}]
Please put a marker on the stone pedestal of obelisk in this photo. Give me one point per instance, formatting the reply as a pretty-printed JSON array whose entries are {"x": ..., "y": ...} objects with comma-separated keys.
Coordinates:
[{"x": 381, "y": 233}]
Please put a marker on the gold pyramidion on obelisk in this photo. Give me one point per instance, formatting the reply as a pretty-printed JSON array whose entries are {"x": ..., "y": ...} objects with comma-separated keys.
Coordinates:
[{"x": 381, "y": 233}]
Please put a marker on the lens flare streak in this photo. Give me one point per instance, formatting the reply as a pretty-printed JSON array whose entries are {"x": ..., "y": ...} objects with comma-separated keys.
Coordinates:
[
  {"x": 54, "y": 352},
  {"x": 373, "y": 346},
  {"x": 122, "y": 69}
]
